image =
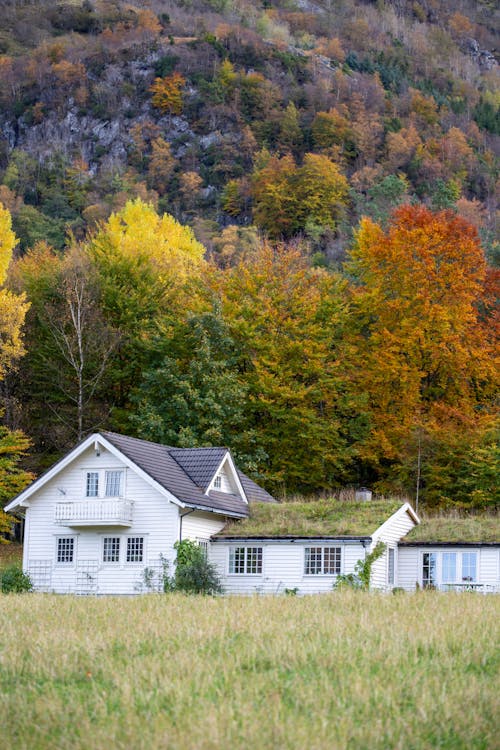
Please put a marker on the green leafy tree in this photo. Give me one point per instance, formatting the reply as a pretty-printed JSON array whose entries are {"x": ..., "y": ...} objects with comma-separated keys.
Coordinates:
[{"x": 192, "y": 393}]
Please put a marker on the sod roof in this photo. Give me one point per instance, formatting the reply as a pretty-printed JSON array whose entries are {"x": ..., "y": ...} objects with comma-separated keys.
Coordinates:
[
  {"x": 453, "y": 529},
  {"x": 313, "y": 518}
]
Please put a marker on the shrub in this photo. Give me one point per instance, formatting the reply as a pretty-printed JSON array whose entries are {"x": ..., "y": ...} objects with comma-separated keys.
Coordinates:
[
  {"x": 13, "y": 580},
  {"x": 360, "y": 579},
  {"x": 194, "y": 574}
]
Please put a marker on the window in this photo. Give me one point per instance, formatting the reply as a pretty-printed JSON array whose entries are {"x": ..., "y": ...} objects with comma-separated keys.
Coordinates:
[
  {"x": 469, "y": 566},
  {"x": 449, "y": 567},
  {"x": 92, "y": 484},
  {"x": 218, "y": 482},
  {"x": 65, "y": 549},
  {"x": 203, "y": 544},
  {"x": 245, "y": 560},
  {"x": 390, "y": 567},
  {"x": 135, "y": 549},
  {"x": 114, "y": 481},
  {"x": 111, "y": 549},
  {"x": 429, "y": 570},
  {"x": 322, "y": 560}
]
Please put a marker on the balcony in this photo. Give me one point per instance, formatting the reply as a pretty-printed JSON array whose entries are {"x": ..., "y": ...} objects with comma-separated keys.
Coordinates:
[{"x": 110, "y": 512}]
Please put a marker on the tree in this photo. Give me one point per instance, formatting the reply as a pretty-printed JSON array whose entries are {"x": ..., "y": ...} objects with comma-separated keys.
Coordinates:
[
  {"x": 287, "y": 198},
  {"x": 418, "y": 347},
  {"x": 69, "y": 344},
  {"x": 161, "y": 165},
  {"x": 285, "y": 318},
  {"x": 191, "y": 394},
  {"x": 13, "y": 307},
  {"x": 148, "y": 267},
  {"x": 167, "y": 93}
]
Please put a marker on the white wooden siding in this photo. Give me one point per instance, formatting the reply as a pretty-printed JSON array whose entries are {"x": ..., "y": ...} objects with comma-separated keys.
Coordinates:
[
  {"x": 282, "y": 567},
  {"x": 200, "y": 525},
  {"x": 410, "y": 564},
  {"x": 391, "y": 532},
  {"x": 154, "y": 518}
]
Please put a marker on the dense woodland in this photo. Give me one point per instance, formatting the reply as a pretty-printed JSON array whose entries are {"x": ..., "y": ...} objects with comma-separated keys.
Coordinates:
[{"x": 271, "y": 226}]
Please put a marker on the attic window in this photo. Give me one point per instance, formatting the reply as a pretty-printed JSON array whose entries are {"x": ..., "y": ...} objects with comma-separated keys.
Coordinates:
[{"x": 218, "y": 482}]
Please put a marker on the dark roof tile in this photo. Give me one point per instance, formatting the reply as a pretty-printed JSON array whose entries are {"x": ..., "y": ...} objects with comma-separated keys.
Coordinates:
[{"x": 187, "y": 472}]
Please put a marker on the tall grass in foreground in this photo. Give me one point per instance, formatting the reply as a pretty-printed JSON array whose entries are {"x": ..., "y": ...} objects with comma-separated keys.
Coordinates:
[{"x": 346, "y": 670}]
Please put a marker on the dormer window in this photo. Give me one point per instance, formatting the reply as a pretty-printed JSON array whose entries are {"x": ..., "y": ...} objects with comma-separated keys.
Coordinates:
[{"x": 218, "y": 482}]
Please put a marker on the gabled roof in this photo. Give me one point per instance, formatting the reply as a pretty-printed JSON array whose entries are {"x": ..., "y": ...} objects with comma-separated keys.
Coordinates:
[
  {"x": 453, "y": 528},
  {"x": 182, "y": 474},
  {"x": 200, "y": 464}
]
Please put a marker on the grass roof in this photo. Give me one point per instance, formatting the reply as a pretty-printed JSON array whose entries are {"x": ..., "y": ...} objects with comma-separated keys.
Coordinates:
[
  {"x": 313, "y": 518},
  {"x": 455, "y": 528}
]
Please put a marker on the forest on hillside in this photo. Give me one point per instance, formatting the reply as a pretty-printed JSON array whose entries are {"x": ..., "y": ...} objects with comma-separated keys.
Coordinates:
[{"x": 272, "y": 226}]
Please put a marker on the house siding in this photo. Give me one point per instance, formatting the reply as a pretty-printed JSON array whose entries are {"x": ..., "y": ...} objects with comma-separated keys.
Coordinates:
[
  {"x": 282, "y": 566},
  {"x": 391, "y": 532},
  {"x": 201, "y": 525},
  {"x": 154, "y": 517},
  {"x": 410, "y": 564}
]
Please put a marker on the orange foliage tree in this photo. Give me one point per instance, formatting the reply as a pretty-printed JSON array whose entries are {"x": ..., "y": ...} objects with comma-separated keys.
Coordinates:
[{"x": 419, "y": 348}]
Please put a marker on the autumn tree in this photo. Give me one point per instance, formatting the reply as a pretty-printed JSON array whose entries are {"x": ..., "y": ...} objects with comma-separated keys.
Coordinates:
[
  {"x": 13, "y": 308},
  {"x": 147, "y": 266},
  {"x": 285, "y": 318},
  {"x": 287, "y": 198},
  {"x": 69, "y": 346},
  {"x": 167, "y": 93},
  {"x": 418, "y": 347}
]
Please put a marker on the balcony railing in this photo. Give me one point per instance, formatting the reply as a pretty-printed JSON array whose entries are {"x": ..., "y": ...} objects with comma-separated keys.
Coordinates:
[{"x": 110, "y": 512}]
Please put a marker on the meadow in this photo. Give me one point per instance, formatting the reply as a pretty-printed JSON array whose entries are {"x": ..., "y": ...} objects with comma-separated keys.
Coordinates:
[{"x": 346, "y": 670}]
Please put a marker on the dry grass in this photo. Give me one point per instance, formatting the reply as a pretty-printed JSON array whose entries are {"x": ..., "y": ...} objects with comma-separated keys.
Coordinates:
[
  {"x": 10, "y": 553},
  {"x": 327, "y": 517},
  {"x": 346, "y": 670},
  {"x": 452, "y": 527}
]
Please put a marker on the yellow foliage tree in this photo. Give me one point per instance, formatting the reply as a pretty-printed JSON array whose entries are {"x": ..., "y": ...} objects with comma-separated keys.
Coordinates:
[{"x": 167, "y": 93}]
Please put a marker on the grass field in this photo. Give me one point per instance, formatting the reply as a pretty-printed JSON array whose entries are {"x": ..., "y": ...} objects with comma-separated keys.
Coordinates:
[{"x": 346, "y": 670}]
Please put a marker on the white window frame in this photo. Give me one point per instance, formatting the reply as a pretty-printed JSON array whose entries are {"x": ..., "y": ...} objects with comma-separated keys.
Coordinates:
[
  {"x": 120, "y": 473},
  {"x": 113, "y": 563},
  {"x": 102, "y": 475},
  {"x": 218, "y": 482},
  {"x": 66, "y": 564},
  {"x": 459, "y": 565},
  {"x": 391, "y": 555},
  {"x": 128, "y": 537},
  {"x": 88, "y": 474},
  {"x": 476, "y": 566},
  {"x": 338, "y": 552},
  {"x": 248, "y": 562}
]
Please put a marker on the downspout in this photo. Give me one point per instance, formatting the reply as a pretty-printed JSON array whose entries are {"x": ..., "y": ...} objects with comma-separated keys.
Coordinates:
[{"x": 181, "y": 516}]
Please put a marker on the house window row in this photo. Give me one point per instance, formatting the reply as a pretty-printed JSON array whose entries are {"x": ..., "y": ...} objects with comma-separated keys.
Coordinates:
[
  {"x": 112, "y": 483},
  {"x": 448, "y": 568},
  {"x": 317, "y": 560},
  {"x": 112, "y": 546}
]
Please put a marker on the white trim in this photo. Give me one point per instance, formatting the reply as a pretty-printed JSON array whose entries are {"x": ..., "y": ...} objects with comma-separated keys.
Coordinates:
[
  {"x": 232, "y": 467},
  {"x": 406, "y": 508},
  {"x": 64, "y": 462}
]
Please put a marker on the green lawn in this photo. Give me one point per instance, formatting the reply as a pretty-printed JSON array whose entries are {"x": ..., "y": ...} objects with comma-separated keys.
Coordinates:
[{"x": 343, "y": 670}]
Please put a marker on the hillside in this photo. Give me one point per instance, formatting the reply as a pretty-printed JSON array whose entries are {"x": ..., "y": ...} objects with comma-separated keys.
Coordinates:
[
  {"x": 401, "y": 97},
  {"x": 267, "y": 226}
]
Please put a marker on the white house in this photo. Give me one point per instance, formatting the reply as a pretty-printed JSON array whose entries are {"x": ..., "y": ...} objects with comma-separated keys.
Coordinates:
[
  {"x": 116, "y": 505},
  {"x": 106, "y": 516}
]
